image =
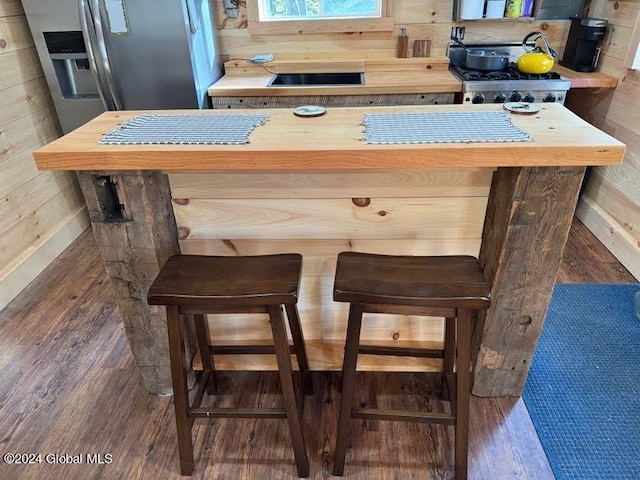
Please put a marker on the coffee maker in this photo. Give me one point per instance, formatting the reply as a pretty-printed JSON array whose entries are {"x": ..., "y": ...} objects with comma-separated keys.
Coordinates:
[{"x": 582, "y": 49}]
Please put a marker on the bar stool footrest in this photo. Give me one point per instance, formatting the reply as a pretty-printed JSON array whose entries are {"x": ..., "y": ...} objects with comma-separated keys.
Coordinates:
[
  {"x": 245, "y": 349},
  {"x": 207, "y": 412},
  {"x": 400, "y": 351},
  {"x": 403, "y": 416}
]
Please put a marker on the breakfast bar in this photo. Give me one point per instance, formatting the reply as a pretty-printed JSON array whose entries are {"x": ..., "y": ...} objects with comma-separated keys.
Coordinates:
[{"x": 323, "y": 182}]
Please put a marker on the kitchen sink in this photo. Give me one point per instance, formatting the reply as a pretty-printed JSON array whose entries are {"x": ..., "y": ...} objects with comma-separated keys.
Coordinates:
[{"x": 306, "y": 79}]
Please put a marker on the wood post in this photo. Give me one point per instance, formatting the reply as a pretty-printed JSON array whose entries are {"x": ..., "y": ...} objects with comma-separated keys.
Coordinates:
[
  {"x": 526, "y": 227},
  {"x": 135, "y": 230}
]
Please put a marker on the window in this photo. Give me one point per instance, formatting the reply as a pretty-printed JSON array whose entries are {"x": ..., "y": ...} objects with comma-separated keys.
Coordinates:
[{"x": 318, "y": 9}]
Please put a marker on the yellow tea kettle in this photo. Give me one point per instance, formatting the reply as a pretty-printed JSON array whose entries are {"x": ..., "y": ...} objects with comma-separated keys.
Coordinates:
[{"x": 535, "y": 60}]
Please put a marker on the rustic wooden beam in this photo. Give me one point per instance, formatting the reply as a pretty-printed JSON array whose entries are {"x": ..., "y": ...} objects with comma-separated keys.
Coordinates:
[
  {"x": 526, "y": 227},
  {"x": 135, "y": 230}
]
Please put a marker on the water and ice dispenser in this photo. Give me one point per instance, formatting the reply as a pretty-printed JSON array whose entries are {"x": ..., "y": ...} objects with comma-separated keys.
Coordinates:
[{"x": 71, "y": 64}]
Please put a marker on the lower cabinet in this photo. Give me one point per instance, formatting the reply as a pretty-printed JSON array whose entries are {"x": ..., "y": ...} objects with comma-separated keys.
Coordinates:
[{"x": 333, "y": 100}]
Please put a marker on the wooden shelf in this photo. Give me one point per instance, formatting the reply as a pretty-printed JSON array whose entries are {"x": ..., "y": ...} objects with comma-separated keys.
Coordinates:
[{"x": 586, "y": 79}]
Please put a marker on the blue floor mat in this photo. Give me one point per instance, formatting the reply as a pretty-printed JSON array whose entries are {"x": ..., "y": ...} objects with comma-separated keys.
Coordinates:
[{"x": 583, "y": 391}]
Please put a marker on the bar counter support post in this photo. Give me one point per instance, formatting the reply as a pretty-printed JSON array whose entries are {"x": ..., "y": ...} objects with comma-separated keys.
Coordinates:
[
  {"x": 135, "y": 230},
  {"x": 526, "y": 227}
]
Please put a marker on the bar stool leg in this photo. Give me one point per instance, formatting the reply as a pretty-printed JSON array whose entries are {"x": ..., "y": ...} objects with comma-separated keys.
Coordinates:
[
  {"x": 202, "y": 334},
  {"x": 449, "y": 355},
  {"x": 348, "y": 379},
  {"x": 180, "y": 392},
  {"x": 286, "y": 382},
  {"x": 299, "y": 347},
  {"x": 463, "y": 388}
]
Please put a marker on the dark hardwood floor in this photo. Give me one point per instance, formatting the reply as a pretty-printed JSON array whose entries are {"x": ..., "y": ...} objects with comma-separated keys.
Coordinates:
[{"x": 68, "y": 388}]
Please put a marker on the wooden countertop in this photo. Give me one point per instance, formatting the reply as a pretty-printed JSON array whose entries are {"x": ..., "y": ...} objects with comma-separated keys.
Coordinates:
[
  {"x": 382, "y": 76},
  {"x": 586, "y": 80},
  {"x": 334, "y": 142}
]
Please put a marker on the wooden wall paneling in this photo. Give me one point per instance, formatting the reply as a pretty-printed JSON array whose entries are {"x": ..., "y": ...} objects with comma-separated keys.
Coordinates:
[
  {"x": 617, "y": 41},
  {"x": 19, "y": 66},
  {"x": 617, "y": 240},
  {"x": 422, "y": 11},
  {"x": 15, "y": 33},
  {"x": 305, "y": 27},
  {"x": 27, "y": 234},
  {"x": 444, "y": 217},
  {"x": 400, "y": 184},
  {"x": 621, "y": 13},
  {"x": 23, "y": 99},
  {"x": 28, "y": 197},
  {"x": 10, "y": 7},
  {"x": 32, "y": 261},
  {"x": 239, "y": 42},
  {"x": 634, "y": 44},
  {"x": 26, "y": 132},
  {"x": 17, "y": 171},
  {"x": 612, "y": 66},
  {"x": 625, "y": 106},
  {"x": 617, "y": 191}
]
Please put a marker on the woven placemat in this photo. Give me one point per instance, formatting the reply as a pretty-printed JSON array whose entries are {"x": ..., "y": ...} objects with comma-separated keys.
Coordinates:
[
  {"x": 185, "y": 129},
  {"x": 441, "y": 127}
]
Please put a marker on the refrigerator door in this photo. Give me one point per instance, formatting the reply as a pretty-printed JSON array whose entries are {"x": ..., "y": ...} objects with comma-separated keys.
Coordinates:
[
  {"x": 56, "y": 31},
  {"x": 148, "y": 54},
  {"x": 161, "y": 53}
]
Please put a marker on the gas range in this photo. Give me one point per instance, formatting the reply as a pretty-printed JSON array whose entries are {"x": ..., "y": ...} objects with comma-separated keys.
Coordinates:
[{"x": 509, "y": 85}]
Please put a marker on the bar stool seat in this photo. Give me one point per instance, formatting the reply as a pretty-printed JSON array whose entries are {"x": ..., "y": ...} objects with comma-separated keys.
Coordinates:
[
  {"x": 195, "y": 285},
  {"x": 452, "y": 287}
]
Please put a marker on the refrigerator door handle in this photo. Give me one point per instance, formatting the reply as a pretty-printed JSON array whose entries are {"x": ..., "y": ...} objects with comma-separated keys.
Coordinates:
[
  {"x": 102, "y": 48},
  {"x": 85, "y": 23},
  {"x": 192, "y": 26}
]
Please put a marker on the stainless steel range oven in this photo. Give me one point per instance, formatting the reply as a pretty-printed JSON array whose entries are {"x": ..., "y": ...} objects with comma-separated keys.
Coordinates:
[{"x": 508, "y": 85}]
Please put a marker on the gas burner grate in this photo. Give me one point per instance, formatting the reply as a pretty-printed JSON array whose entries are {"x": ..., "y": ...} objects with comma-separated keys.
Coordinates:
[{"x": 510, "y": 73}]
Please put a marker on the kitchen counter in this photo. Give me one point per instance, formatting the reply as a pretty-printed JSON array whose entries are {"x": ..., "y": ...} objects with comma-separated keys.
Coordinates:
[
  {"x": 586, "y": 79},
  {"x": 317, "y": 188},
  {"x": 382, "y": 76},
  {"x": 334, "y": 142}
]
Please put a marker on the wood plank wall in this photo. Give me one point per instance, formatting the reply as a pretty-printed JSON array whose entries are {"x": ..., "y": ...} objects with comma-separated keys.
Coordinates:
[
  {"x": 423, "y": 19},
  {"x": 610, "y": 206},
  {"x": 403, "y": 212},
  {"x": 41, "y": 213}
]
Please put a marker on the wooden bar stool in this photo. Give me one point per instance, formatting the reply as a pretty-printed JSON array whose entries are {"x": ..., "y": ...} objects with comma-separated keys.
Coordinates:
[
  {"x": 451, "y": 287},
  {"x": 197, "y": 285}
]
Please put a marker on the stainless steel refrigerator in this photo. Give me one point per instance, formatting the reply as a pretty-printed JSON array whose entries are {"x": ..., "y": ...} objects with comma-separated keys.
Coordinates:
[{"x": 102, "y": 55}]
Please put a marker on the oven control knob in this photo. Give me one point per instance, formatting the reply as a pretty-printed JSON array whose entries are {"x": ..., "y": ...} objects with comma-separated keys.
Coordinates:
[
  {"x": 515, "y": 97},
  {"x": 500, "y": 98},
  {"x": 529, "y": 98},
  {"x": 478, "y": 98},
  {"x": 549, "y": 98}
]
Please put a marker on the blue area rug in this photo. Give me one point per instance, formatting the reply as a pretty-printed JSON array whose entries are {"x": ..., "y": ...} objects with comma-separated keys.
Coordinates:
[{"x": 583, "y": 392}]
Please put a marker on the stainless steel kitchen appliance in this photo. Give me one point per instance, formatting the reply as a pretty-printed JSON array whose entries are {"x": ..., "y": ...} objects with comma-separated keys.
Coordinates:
[
  {"x": 507, "y": 85},
  {"x": 102, "y": 55}
]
